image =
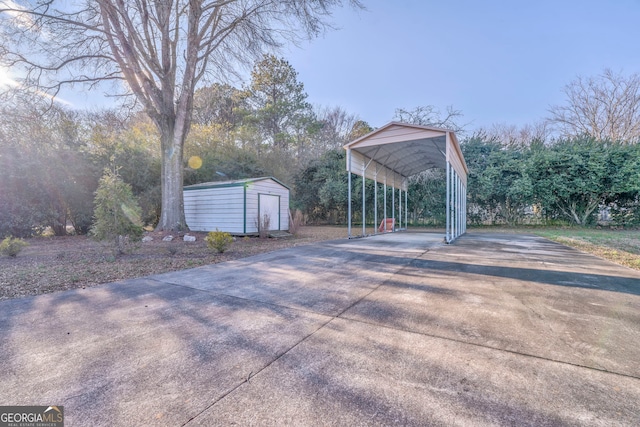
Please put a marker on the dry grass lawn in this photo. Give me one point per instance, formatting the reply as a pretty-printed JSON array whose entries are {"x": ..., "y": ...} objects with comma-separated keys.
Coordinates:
[{"x": 619, "y": 246}]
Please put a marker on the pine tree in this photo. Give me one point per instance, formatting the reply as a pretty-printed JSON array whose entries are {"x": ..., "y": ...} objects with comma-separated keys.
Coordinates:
[{"x": 117, "y": 213}]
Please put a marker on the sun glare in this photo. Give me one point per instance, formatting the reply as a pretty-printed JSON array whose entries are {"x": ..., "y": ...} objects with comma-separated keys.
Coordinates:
[
  {"x": 7, "y": 81},
  {"x": 5, "y": 78}
]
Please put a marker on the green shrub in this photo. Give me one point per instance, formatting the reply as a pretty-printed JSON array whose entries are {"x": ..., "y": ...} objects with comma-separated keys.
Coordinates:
[
  {"x": 11, "y": 246},
  {"x": 218, "y": 240},
  {"x": 117, "y": 213}
]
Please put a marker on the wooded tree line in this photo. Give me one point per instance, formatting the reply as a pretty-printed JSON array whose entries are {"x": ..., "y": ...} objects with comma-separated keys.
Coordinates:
[
  {"x": 52, "y": 159},
  {"x": 566, "y": 181}
]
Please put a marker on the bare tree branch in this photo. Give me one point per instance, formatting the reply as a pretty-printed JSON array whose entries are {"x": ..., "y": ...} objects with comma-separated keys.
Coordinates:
[
  {"x": 605, "y": 107},
  {"x": 429, "y": 115}
]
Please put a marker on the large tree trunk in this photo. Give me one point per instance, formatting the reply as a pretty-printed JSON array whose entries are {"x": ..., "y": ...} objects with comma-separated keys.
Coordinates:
[
  {"x": 172, "y": 215},
  {"x": 173, "y": 121}
]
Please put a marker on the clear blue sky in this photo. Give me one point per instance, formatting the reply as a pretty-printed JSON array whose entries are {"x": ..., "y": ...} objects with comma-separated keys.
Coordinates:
[{"x": 496, "y": 61}]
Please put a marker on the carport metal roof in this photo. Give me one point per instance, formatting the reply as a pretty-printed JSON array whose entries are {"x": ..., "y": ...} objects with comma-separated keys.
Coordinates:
[
  {"x": 399, "y": 150},
  {"x": 396, "y": 151}
]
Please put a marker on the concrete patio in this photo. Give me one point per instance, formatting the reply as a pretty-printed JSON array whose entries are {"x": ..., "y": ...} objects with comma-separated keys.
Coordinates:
[{"x": 402, "y": 329}]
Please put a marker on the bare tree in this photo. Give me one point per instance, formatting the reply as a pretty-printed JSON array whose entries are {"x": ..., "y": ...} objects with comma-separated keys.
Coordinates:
[
  {"x": 605, "y": 107},
  {"x": 157, "y": 51},
  {"x": 431, "y": 116},
  {"x": 514, "y": 136},
  {"x": 335, "y": 127}
]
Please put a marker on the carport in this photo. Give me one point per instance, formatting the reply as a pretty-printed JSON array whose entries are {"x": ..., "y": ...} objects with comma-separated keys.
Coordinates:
[{"x": 397, "y": 151}]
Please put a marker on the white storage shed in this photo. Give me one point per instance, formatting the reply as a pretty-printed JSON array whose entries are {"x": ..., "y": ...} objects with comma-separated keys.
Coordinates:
[{"x": 235, "y": 206}]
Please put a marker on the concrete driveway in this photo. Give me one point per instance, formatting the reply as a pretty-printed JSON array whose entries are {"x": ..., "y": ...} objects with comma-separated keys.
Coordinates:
[{"x": 397, "y": 329}]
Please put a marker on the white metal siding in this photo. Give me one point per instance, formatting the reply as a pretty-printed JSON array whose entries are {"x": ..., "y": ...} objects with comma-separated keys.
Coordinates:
[
  {"x": 211, "y": 208},
  {"x": 399, "y": 133},
  {"x": 376, "y": 171},
  {"x": 224, "y": 207}
]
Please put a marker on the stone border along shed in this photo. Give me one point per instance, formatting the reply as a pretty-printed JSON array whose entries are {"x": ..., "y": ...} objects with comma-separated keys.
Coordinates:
[
  {"x": 234, "y": 206},
  {"x": 396, "y": 151}
]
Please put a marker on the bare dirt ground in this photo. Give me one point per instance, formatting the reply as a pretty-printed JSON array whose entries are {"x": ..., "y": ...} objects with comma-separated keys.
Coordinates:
[{"x": 52, "y": 264}]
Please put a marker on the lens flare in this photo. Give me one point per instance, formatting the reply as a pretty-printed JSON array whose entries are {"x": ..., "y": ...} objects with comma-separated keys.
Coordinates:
[
  {"x": 131, "y": 214},
  {"x": 195, "y": 162}
]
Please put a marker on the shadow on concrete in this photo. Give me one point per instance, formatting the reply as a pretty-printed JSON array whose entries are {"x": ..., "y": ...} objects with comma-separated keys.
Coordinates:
[
  {"x": 351, "y": 373},
  {"x": 140, "y": 352},
  {"x": 628, "y": 285}
]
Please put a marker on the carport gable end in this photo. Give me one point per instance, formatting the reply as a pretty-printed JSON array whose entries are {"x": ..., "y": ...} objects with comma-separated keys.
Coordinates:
[{"x": 235, "y": 206}]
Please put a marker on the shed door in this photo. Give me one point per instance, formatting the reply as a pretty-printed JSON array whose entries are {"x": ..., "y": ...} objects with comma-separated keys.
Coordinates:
[{"x": 270, "y": 208}]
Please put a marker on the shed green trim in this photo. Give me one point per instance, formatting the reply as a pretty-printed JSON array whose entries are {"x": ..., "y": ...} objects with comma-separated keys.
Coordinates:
[
  {"x": 208, "y": 185},
  {"x": 237, "y": 183}
]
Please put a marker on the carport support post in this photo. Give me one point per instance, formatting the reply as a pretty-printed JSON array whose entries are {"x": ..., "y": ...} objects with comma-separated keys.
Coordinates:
[
  {"x": 457, "y": 205},
  {"x": 400, "y": 207},
  {"x": 446, "y": 237},
  {"x": 406, "y": 210},
  {"x": 461, "y": 202},
  {"x": 385, "y": 201},
  {"x": 349, "y": 193},
  {"x": 465, "y": 209},
  {"x": 375, "y": 201},
  {"x": 453, "y": 205},
  {"x": 364, "y": 216},
  {"x": 456, "y": 189},
  {"x": 460, "y": 206},
  {"x": 393, "y": 204}
]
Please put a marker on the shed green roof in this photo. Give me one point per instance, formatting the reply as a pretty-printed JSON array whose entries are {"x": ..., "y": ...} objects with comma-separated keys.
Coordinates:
[{"x": 233, "y": 183}]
